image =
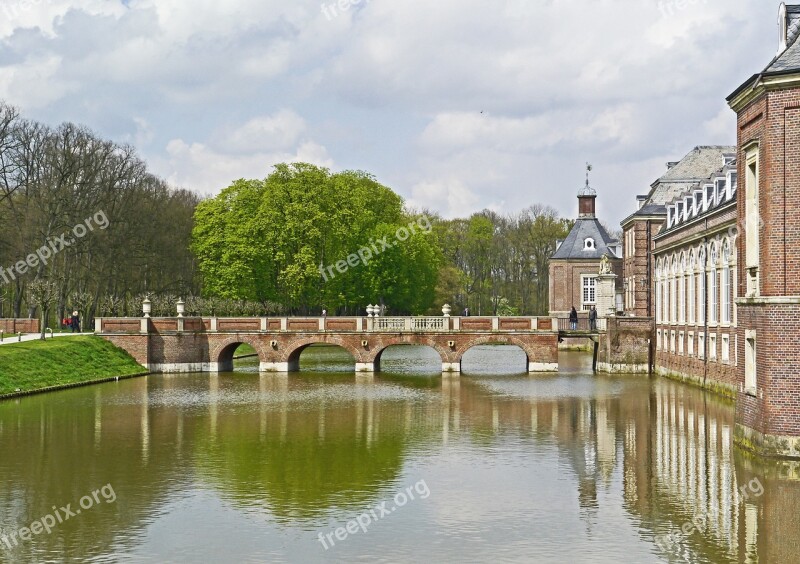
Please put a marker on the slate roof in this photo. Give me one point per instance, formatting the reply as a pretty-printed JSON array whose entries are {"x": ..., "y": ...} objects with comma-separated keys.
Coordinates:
[
  {"x": 785, "y": 62},
  {"x": 789, "y": 60},
  {"x": 572, "y": 247},
  {"x": 700, "y": 163}
]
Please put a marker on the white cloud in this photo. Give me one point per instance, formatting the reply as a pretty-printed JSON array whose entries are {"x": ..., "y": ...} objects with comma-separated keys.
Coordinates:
[
  {"x": 464, "y": 103},
  {"x": 249, "y": 151}
]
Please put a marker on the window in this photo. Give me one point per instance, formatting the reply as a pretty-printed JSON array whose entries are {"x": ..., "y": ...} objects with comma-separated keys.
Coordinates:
[
  {"x": 690, "y": 345},
  {"x": 588, "y": 244},
  {"x": 752, "y": 221},
  {"x": 658, "y": 339},
  {"x": 726, "y": 348},
  {"x": 750, "y": 363},
  {"x": 672, "y": 342},
  {"x": 726, "y": 295},
  {"x": 713, "y": 296},
  {"x": 712, "y": 347},
  {"x": 680, "y": 343},
  {"x": 701, "y": 292},
  {"x": 682, "y": 299},
  {"x": 589, "y": 295},
  {"x": 673, "y": 302},
  {"x": 690, "y": 301},
  {"x": 701, "y": 345},
  {"x": 658, "y": 301}
]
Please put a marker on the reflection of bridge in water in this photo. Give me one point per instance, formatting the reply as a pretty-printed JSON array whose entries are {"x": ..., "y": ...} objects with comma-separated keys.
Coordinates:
[
  {"x": 208, "y": 344},
  {"x": 665, "y": 447}
]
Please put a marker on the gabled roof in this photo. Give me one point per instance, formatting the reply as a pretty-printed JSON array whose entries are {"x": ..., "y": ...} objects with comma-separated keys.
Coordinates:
[{"x": 573, "y": 246}]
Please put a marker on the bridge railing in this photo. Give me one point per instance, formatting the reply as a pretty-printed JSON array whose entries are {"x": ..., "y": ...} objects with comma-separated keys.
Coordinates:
[
  {"x": 138, "y": 325},
  {"x": 582, "y": 325}
]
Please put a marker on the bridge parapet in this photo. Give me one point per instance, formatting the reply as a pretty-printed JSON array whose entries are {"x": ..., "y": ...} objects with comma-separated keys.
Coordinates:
[{"x": 326, "y": 324}]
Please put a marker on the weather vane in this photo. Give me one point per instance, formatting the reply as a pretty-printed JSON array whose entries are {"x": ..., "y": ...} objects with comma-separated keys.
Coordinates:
[{"x": 588, "y": 170}]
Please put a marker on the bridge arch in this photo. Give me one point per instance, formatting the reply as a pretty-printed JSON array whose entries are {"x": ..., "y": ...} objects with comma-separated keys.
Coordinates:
[
  {"x": 222, "y": 352},
  {"x": 521, "y": 343},
  {"x": 290, "y": 356},
  {"x": 412, "y": 340}
]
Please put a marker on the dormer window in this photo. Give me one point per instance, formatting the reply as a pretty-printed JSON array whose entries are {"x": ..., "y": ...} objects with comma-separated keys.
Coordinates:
[
  {"x": 708, "y": 196},
  {"x": 588, "y": 244},
  {"x": 720, "y": 190},
  {"x": 731, "y": 184}
]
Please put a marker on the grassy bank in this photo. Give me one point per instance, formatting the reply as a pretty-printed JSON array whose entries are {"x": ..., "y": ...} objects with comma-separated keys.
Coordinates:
[{"x": 34, "y": 365}]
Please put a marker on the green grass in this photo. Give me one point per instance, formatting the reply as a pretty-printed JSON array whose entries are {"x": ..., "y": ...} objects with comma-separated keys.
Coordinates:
[
  {"x": 35, "y": 365},
  {"x": 244, "y": 349}
]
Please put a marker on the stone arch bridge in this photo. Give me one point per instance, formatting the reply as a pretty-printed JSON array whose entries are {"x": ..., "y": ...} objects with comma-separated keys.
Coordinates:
[{"x": 192, "y": 344}]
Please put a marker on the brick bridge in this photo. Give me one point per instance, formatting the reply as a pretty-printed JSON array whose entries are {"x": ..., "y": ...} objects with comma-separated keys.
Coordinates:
[{"x": 194, "y": 344}]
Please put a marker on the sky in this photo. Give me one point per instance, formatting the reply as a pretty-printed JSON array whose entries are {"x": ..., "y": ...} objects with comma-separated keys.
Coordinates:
[{"x": 457, "y": 105}]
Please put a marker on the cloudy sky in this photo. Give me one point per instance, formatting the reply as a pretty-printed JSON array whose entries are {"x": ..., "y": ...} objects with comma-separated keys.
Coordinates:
[{"x": 458, "y": 105}]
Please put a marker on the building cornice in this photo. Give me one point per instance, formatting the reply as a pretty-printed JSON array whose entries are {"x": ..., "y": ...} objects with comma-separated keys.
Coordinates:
[{"x": 758, "y": 85}]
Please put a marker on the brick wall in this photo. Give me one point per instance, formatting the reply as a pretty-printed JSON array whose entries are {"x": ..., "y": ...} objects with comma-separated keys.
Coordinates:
[
  {"x": 635, "y": 266},
  {"x": 566, "y": 287},
  {"x": 626, "y": 342},
  {"x": 772, "y": 120},
  {"x": 19, "y": 325}
]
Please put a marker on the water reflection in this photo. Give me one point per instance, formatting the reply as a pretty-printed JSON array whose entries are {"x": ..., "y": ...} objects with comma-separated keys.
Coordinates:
[{"x": 248, "y": 466}]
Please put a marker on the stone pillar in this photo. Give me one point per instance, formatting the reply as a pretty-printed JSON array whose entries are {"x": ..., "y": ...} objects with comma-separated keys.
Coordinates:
[{"x": 606, "y": 295}]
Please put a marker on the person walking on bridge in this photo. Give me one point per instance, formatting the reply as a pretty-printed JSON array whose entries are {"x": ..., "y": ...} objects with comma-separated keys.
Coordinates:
[{"x": 573, "y": 319}]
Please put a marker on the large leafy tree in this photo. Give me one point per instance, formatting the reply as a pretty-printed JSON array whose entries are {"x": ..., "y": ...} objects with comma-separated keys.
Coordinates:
[{"x": 274, "y": 240}]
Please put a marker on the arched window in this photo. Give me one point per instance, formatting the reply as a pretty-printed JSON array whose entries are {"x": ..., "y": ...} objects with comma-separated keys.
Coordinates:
[
  {"x": 713, "y": 286},
  {"x": 673, "y": 309},
  {"x": 701, "y": 285},
  {"x": 725, "y": 286},
  {"x": 682, "y": 289},
  {"x": 691, "y": 301}
]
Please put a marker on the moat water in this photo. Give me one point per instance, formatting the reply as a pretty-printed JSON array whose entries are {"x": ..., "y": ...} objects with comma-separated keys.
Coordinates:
[{"x": 411, "y": 466}]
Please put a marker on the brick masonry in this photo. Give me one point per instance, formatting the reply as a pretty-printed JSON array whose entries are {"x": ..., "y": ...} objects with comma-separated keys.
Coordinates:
[
  {"x": 19, "y": 325},
  {"x": 166, "y": 349}
]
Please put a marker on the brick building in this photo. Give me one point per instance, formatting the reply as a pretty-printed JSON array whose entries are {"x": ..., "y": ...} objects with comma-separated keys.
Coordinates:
[
  {"x": 576, "y": 263},
  {"x": 712, "y": 255}
]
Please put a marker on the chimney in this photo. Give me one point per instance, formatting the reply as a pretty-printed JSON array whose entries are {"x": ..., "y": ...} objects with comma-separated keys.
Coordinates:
[{"x": 783, "y": 28}]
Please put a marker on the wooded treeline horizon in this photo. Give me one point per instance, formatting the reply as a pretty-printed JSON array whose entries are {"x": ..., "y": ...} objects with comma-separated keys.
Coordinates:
[{"x": 258, "y": 248}]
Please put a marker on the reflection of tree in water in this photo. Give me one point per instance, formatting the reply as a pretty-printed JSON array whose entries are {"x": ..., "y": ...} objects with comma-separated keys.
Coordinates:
[{"x": 303, "y": 465}]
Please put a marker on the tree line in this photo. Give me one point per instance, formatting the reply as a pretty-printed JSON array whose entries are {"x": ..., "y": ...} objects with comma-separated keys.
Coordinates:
[
  {"x": 55, "y": 180},
  {"x": 87, "y": 227},
  {"x": 305, "y": 238}
]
